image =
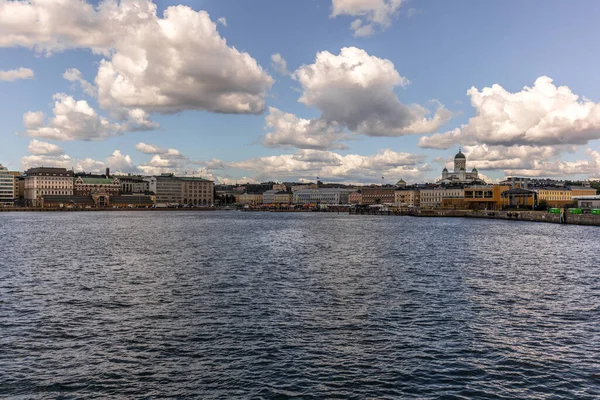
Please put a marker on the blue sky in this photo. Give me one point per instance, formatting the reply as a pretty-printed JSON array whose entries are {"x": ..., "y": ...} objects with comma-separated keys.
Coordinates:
[{"x": 442, "y": 48}]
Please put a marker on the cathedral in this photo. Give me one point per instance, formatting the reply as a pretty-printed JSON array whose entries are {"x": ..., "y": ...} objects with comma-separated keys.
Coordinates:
[{"x": 460, "y": 174}]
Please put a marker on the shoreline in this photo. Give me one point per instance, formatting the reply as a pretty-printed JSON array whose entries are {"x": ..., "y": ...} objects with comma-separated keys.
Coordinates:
[{"x": 527, "y": 216}]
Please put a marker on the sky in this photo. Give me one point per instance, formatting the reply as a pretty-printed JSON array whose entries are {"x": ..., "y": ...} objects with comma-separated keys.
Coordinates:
[{"x": 344, "y": 90}]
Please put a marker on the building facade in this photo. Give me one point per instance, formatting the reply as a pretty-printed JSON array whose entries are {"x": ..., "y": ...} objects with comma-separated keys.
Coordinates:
[
  {"x": 46, "y": 181},
  {"x": 197, "y": 191},
  {"x": 134, "y": 184},
  {"x": 355, "y": 197},
  {"x": 321, "y": 196},
  {"x": 554, "y": 196},
  {"x": 378, "y": 195},
  {"x": 7, "y": 187},
  {"x": 87, "y": 185},
  {"x": 485, "y": 197},
  {"x": 433, "y": 197},
  {"x": 407, "y": 198}
]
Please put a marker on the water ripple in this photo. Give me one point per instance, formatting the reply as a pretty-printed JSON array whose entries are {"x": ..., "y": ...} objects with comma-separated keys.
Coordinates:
[{"x": 276, "y": 306}]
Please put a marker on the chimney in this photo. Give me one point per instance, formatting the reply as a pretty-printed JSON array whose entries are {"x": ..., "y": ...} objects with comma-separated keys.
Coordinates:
[{"x": 107, "y": 173}]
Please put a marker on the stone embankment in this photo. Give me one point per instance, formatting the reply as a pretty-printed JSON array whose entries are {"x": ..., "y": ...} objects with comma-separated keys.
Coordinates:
[{"x": 531, "y": 216}]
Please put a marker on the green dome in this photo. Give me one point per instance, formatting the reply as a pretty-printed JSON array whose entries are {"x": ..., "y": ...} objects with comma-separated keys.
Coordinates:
[{"x": 460, "y": 155}]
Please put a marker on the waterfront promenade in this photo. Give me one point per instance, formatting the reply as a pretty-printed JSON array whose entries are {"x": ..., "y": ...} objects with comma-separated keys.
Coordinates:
[{"x": 528, "y": 216}]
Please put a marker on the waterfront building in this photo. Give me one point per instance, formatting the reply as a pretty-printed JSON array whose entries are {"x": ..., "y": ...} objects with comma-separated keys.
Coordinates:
[
  {"x": 432, "y": 197},
  {"x": 592, "y": 202},
  {"x": 321, "y": 196},
  {"x": 460, "y": 174},
  {"x": 554, "y": 196},
  {"x": 355, "y": 197},
  {"x": 97, "y": 200},
  {"x": 46, "y": 181},
  {"x": 519, "y": 197},
  {"x": 7, "y": 187},
  {"x": 197, "y": 191},
  {"x": 488, "y": 197},
  {"x": 378, "y": 195},
  {"x": 168, "y": 189},
  {"x": 249, "y": 199},
  {"x": 283, "y": 197},
  {"x": 269, "y": 196},
  {"x": 582, "y": 191},
  {"x": 135, "y": 184},
  {"x": 407, "y": 197},
  {"x": 171, "y": 189},
  {"x": 86, "y": 185}
]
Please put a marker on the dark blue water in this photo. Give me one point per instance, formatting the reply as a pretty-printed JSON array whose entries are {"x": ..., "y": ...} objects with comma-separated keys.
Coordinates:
[{"x": 270, "y": 305}]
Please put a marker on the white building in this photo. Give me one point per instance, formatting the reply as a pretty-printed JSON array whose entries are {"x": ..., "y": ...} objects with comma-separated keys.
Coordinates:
[
  {"x": 432, "y": 198},
  {"x": 269, "y": 196},
  {"x": 460, "y": 174},
  {"x": 321, "y": 196},
  {"x": 7, "y": 187},
  {"x": 46, "y": 181}
]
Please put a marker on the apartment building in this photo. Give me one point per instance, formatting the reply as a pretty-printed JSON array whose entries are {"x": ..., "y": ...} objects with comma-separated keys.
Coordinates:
[
  {"x": 7, "y": 187},
  {"x": 44, "y": 181}
]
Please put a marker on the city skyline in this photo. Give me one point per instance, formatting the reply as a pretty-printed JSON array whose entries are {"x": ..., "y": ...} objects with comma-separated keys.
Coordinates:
[{"x": 348, "y": 91}]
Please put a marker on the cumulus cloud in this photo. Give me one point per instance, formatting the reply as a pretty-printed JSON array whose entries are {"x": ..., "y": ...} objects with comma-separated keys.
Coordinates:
[
  {"x": 15, "y": 74},
  {"x": 279, "y": 64},
  {"x": 222, "y": 21},
  {"x": 149, "y": 148},
  {"x": 287, "y": 130},
  {"x": 40, "y": 148},
  {"x": 77, "y": 120},
  {"x": 371, "y": 14},
  {"x": 73, "y": 120},
  {"x": 162, "y": 64},
  {"x": 119, "y": 162},
  {"x": 355, "y": 93},
  {"x": 74, "y": 75},
  {"x": 332, "y": 166},
  {"x": 356, "y": 90},
  {"x": 541, "y": 115},
  {"x": 556, "y": 168}
]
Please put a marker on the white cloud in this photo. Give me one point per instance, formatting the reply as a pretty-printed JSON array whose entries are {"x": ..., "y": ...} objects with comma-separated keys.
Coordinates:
[
  {"x": 73, "y": 120},
  {"x": 15, "y": 74},
  {"x": 371, "y": 13},
  {"x": 556, "y": 168},
  {"x": 222, "y": 21},
  {"x": 335, "y": 167},
  {"x": 279, "y": 64},
  {"x": 287, "y": 130},
  {"x": 540, "y": 115},
  {"x": 77, "y": 120},
  {"x": 119, "y": 162},
  {"x": 149, "y": 148},
  {"x": 49, "y": 155},
  {"x": 162, "y": 64},
  {"x": 39, "y": 148},
  {"x": 356, "y": 90},
  {"x": 74, "y": 75},
  {"x": 33, "y": 161}
]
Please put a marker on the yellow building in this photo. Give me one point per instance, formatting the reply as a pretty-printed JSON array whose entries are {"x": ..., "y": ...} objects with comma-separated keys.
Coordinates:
[
  {"x": 555, "y": 196},
  {"x": 484, "y": 197},
  {"x": 250, "y": 199},
  {"x": 407, "y": 198},
  {"x": 582, "y": 191}
]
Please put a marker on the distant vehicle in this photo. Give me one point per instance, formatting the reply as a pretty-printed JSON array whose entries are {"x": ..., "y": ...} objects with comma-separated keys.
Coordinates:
[
  {"x": 554, "y": 211},
  {"x": 575, "y": 211}
]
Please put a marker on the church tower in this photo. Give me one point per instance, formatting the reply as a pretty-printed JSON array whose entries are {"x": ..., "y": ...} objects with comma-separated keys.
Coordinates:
[{"x": 460, "y": 162}]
